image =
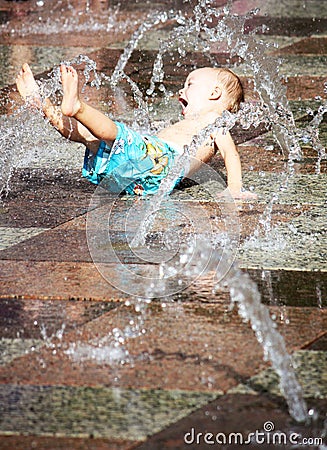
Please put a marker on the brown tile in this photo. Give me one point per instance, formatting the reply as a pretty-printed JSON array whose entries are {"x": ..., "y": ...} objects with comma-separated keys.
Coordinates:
[
  {"x": 179, "y": 4},
  {"x": 69, "y": 241},
  {"x": 44, "y": 198},
  {"x": 240, "y": 135},
  {"x": 57, "y": 264},
  {"x": 257, "y": 156},
  {"x": 25, "y": 319},
  {"x": 305, "y": 87},
  {"x": 54, "y": 280},
  {"x": 292, "y": 320},
  {"x": 20, "y": 214},
  {"x": 308, "y": 46},
  {"x": 71, "y": 245},
  {"x": 174, "y": 354},
  {"x": 141, "y": 74},
  {"x": 291, "y": 288},
  {"x": 280, "y": 288},
  {"x": 287, "y": 26},
  {"x": 251, "y": 214},
  {"x": 51, "y": 245},
  {"x": 189, "y": 346},
  {"x": 320, "y": 343}
]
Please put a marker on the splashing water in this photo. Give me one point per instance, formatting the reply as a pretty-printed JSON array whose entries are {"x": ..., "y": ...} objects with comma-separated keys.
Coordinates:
[
  {"x": 111, "y": 348},
  {"x": 31, "y": 131},
  {"x": 275, "y": 112},
  {"x": 244, "y": 292}
]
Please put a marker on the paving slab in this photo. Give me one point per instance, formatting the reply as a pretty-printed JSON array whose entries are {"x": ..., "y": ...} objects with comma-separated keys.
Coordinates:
[
  {"x": 14, "y": 348},
  {"x": 203, "y": 348},
  {"x": 314, "y": 45},
  {"x": 10, "y": 236},
  {"x": 69, "y": 241},
  {"x": 262, "y": 155},
  {"x": 38, "y": 55},
  {"x": 284, "y": 26},
  {"x": 311, "y": 373},
  {"x": 41, "y": 319},
  {"x": 83, "y": 23},
  {"x": 318, "y": 344},
  {"x": 85, "y": 411},
  {"x": 55, "y": 280},
  {"x": 291, "y": 251},
  {"x": 64, "y": 280},
  {"x": 291, "y": 287},
  {"x": 44, "y": 198}
]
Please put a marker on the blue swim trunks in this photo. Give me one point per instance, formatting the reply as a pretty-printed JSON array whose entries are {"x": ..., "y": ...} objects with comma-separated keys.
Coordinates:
[{"x": 135, "y": 164}]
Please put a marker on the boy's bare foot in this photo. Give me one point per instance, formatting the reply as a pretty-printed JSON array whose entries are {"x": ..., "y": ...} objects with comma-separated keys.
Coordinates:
[
  {"x": 71, "y": 103},
  {"x": 27, "y": 86}
]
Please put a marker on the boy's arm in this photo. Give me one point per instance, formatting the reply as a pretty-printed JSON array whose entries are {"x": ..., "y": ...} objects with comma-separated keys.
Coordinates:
[{"x": 228, "y": 150}]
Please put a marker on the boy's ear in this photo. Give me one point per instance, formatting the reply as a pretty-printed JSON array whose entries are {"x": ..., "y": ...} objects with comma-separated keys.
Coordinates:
[{"x": 216, "y": 93}]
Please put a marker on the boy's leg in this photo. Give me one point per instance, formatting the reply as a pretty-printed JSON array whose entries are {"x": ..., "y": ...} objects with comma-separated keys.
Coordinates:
[
  {"x": 67, "y": 126},
  {"x": 98, "y": 124},
  {"x": 27, "y": 87}
]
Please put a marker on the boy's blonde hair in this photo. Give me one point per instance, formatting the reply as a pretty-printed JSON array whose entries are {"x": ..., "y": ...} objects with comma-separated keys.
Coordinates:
[{"x": 231, "y": 84}]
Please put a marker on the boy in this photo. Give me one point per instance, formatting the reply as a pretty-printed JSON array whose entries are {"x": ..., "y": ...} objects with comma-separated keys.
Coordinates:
[{"x": 141, "y": 162}]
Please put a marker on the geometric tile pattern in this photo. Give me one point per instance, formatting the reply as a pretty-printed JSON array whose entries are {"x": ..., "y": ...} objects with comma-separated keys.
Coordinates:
[
  {"x": 14, "y": 348},
  {"x": 99, "y": 412},
  {"x": 311, "y": 369},
  {"x": 11, "y": 236}
]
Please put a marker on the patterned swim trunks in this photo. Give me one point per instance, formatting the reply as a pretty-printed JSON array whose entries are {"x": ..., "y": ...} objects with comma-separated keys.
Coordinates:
[{"x": 135, "y": 164}]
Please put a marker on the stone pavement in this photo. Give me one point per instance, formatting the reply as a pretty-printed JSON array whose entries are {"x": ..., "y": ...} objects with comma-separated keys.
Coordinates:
[{"x": 85, "y": 365}]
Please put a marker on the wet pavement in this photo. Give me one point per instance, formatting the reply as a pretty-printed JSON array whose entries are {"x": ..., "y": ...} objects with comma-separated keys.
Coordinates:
[{"x": 86, "y": 365}]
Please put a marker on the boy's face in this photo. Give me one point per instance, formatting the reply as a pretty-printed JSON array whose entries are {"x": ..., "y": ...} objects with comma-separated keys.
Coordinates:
[{"x": 196, "y": 95}]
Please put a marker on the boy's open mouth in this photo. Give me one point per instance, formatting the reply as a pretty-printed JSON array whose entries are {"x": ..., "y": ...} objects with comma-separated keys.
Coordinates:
[{"x": 184, "y": 104}]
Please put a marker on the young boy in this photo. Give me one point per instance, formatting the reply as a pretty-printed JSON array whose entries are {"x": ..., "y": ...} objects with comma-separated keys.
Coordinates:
[{"x": 139, "y": 163}]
